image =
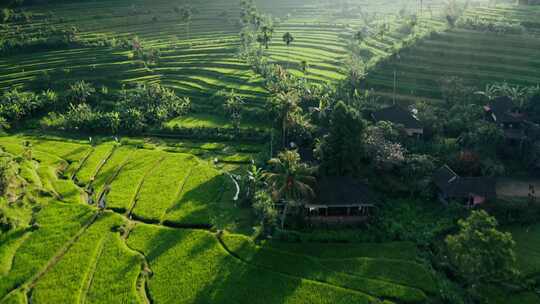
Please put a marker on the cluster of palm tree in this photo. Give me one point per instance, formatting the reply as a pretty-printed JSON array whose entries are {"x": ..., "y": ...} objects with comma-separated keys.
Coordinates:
[{"x": 518, "y": 94}]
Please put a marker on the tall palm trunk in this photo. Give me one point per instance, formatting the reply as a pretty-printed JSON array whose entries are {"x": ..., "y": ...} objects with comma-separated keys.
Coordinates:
[
  {"x": 284, "y": 215},
  {"x": 284, "y": 131}
]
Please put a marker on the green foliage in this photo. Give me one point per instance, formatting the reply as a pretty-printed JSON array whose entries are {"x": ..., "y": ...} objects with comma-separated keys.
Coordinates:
[
  {"x": 499, "y": 26},
  {"x": 73, "y": 272},
  {"x": 341, "y": 150},
  {"x": 480, "y": 253},
  {"x": 148, "y": 105},
  {"x": 80, "y": 92},
  {"x": 265, "y": 209},
  {"x": 211, "y": 275},
  {"x": 319, "y": 270},
  {"x": 43, "y": 243},
  {"x": 16, "y": 106},
  {"x": 289, "y": 179}
]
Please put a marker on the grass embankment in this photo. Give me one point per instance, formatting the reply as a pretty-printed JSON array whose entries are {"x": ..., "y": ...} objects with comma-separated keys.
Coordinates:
[
  {"x": 401, "y": 280},
  {"x": 210, "y": 275},
  {"x": 479, "y": 58}
]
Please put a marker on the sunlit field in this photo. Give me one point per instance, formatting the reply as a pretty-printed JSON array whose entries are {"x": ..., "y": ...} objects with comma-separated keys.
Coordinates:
[{"x": 269, "y": 151}]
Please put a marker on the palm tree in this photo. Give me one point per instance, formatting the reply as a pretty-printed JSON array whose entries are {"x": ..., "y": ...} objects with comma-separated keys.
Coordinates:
[
  {"x": 266, "y": 36},
  {"x": 304, "y": 66},
  {"x": 288, "y": 39},
  {"x": 289, "y": 180},
  {"x": 233, "y": 106},
  {"x": 490, "y": 92},
  {"x": 359, "y": 36},
  {"x": 286, "y": 106}
]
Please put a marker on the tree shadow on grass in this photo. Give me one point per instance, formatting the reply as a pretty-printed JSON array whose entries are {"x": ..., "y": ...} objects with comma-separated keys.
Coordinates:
[
  {"x": 210, "y": 204},
  {"x": 239, "y": 282}
]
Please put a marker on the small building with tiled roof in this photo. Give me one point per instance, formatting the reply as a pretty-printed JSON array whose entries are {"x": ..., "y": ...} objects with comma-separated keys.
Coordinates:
[
  {"x": 470, "y": 190},
  {"x": 400, "y": 116}
]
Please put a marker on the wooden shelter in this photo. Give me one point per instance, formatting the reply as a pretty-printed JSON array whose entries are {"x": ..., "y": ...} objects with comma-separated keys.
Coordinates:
[{"x": 340, "y": 200}]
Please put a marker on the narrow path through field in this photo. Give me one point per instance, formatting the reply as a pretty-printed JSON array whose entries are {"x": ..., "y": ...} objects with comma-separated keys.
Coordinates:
[
  {"x": 81, "y": 163},
  {"x": 178, "y": 195},
  {"x": 133, "y": 203},
  {"x": 112, "y": 178},
  {"x": 29, "y": 284},
  {"x": 102, "y": 163},
  {"x": 146, "y": 271},
  {"x": 91, "y": 271}
]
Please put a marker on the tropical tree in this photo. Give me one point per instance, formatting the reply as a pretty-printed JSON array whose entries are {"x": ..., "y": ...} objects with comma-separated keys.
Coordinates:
[
  {"x": 265, "y": 36},
  {"x": 233, "y": 106},
  {"x": 285, "y": 106},
  {"x": 290, "y": 180},
  {"x": 359, "y": 36},
  {"x": 489, "y": 92},
  {"x": 481, "y": 253},
  {"x": 4, "y": 124},
  {"x": 288, "y": 39},
  {"x": 114, "y": 122},
  {"x": 341, "y": 149},
  {"x": 517, "y": 94},
  {"x": 304, "y": 66},
  {"x": 80, "y": 92}
]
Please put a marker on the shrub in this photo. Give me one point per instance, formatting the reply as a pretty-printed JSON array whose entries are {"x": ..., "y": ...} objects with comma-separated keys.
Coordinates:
[{"x": 499, "y": 26}]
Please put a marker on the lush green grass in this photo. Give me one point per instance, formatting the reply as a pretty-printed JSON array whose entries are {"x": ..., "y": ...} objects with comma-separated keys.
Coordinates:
[
  {"x": 17, "y": 297},
  {"x": 93, "y": 163},
  {"x": 528, "y": 248},
  {"x": 479, "y": 58},
  {"x": 111, "y": 168},
  {"x": 210, "y": 275},
  {"x": 211, "y": 121},
  {"x": 324, "y": 271},
  {"x": 397, "y": 250},
  {"x": 163, "y": 185},
  {"x": 115, "y": 275},
  {"x": 10, "y": 241},
  {"x": 35, "y": 252},
  {"x": 124, "y": 187},
  {"x": 200, "y": 198},
  {"x": 67, "y": 281}
]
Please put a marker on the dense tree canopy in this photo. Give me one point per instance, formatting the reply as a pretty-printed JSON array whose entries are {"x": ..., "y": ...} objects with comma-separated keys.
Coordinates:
[
  {"x": 341, "y": 150},
  {"x": 481, "y": 253}
]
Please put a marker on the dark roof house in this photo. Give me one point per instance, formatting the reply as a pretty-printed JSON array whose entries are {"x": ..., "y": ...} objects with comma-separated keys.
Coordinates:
[
  {"x": 400, "y": 116},
  {"x": 340, "y": 200},
  {"x": 343, "y": 191},
  {"x": 473, "y": 190},
  {"x": 503, "y": 111}
]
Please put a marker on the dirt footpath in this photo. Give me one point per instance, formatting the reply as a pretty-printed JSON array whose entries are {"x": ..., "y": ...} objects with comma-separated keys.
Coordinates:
[{"x": 517, "y": 188}]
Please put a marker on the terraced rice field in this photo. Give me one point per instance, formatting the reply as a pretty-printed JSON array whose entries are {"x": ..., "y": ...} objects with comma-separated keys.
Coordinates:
[
  {"x": 323, "y": 34},
  {"x": 77, "y": 253},
  {"x": 197, "y": 63},
  {"x": 148, "y": 184},
  {"x": 478, "y": 58},
  {"x": 202, "y": 61}
]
